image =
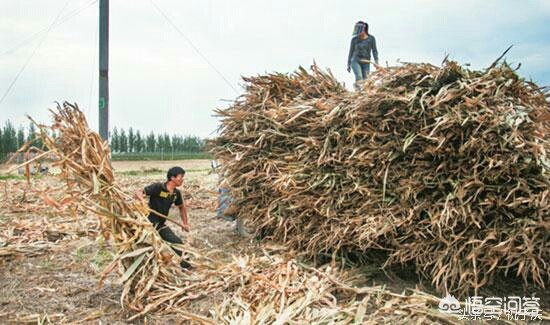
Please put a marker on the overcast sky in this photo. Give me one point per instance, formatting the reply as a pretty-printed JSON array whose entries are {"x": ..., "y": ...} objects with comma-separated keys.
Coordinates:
[{"x": 159, "y": 82}]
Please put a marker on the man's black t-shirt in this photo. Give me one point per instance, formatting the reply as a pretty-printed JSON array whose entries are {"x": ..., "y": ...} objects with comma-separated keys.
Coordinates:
[{"x": 161, "y": 200}]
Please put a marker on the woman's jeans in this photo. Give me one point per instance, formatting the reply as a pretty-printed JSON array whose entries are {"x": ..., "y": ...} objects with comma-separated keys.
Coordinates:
[{"x": 360, "y": 70}]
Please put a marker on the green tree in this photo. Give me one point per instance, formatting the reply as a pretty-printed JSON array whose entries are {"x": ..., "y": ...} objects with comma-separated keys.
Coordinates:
[
  {"x": 9, "y": 137},
  {"x": 123, "y": 142},
  {"x": 20, "y": 137},
  {"x": 191, "y": 144},
  {"x": 131, "y": 140},
  {"x": 167, "y": 142},
  {"x": 160, "y": 143},
  {"x": 115, "y": 141},
  {"x": 150, "y": 142},
  {"x": 139, "y": 142},
  {"x": 32, "y": 132},
  {"x": 175, "y": 143},
  {"x": 33, "y": 135}
]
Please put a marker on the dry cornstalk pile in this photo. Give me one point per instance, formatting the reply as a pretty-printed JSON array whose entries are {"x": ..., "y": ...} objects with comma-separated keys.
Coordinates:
[
  {"x": 49, "y": 215},
  {"x": 445, "y": 168},
  {"x": 255, "y": 290}
]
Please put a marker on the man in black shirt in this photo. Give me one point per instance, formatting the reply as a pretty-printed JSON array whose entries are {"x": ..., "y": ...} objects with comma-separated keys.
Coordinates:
[{"x": 161, "y": 198}]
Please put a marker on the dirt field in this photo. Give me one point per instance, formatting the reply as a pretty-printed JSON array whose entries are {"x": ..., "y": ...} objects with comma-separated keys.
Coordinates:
[
  {"x": 60, "y": 284},
  {"x": 190, "y": 165},
  {"x": 52, "y": 274}
]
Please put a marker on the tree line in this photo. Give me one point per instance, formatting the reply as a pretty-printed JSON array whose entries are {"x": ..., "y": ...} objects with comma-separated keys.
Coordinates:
[
  {"x": 127, "y": 141},
  {"x": 121, "y": 140},
  {"x": 12, "y": 138}
]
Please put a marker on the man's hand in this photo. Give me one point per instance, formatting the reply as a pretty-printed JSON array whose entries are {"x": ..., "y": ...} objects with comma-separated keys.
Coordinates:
[
  {"x": 185, "y": 227},
  {"x": 349, "y": 68},
  {"x": 140, "y": 195}
]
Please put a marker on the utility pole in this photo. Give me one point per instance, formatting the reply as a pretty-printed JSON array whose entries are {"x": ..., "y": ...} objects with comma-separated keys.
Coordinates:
[{"x": 103, "y": 103}]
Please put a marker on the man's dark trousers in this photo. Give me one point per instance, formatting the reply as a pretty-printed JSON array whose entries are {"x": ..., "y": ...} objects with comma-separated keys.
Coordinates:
[{"x": 167, "y": 234}]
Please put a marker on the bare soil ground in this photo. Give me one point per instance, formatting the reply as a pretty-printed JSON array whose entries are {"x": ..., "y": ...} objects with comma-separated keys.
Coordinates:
[
  {"x": 191, "y": 165},
  {"x": 60, "y": 283}
]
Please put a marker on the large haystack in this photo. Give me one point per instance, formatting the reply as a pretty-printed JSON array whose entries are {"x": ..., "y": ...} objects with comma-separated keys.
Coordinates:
[{"x": 445, "y": 168}]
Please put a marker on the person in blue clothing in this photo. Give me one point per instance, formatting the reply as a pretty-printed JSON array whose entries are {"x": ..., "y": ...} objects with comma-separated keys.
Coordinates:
[
  {"x": 227, "y": 207},
  {"x": 361, "y": 47}
]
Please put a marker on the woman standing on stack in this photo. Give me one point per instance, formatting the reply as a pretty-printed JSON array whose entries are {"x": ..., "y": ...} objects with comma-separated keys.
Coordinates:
[{"x": 362, "y": 44}]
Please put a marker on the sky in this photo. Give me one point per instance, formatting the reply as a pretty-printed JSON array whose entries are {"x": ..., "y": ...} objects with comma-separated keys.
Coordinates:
[{"x": 162, "y": 80}]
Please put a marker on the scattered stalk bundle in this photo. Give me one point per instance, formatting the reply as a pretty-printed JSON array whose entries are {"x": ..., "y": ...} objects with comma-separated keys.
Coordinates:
[
  {"x": 271, "y": 288},
  {"x": 442, "y": 167},
  {"x": 49, "y": 221}
]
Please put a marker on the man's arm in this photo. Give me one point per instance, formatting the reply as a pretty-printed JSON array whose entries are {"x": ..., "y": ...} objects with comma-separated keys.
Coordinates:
[
  {"x": 140, "y": 194},
  {"x": 183, "y": 212}
]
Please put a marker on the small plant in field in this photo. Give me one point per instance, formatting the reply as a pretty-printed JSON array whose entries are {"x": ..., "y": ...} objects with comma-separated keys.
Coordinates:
[{"x": 102, "y": 258}]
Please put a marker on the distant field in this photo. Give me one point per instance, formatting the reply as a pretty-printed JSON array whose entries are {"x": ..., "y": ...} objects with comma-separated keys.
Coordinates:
[
  {"x": 161, "y": 156},
  {"x": 129, "y": 167},
  {"x": 161, "y": 166}
]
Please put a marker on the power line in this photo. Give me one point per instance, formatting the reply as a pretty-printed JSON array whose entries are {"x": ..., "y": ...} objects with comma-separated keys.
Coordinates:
[
  {"x": 32, "y": 54},
  {"x": 61, "y": 21},
  {"x": 193, "y": 46}
]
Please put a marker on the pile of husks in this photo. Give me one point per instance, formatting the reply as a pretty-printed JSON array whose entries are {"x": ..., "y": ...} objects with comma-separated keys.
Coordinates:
[{"x": 442, "y": 167}]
